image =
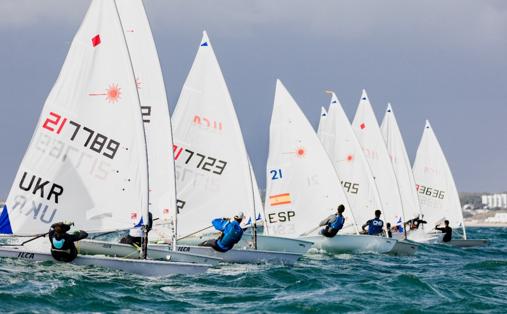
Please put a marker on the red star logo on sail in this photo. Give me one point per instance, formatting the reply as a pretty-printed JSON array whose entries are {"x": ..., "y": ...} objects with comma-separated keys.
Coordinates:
[
  {"x": 349, "y": 157},
  {"x": 362, "y": 126},
  {"x": 96, "y": 40}
]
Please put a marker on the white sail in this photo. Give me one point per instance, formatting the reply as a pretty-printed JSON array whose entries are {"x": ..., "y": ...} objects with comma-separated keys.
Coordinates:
[
  {"x": 302, "y": 186},
  {"x": 401, "y": 164},
  {"x": 212, "y": 167},
  {"x": 322, "y": 122},
  {"x": 86, "y": 161},
  {"x": 351, "y": 165},
  {"x": 368, "y": 134},
  {"x": 435, "y": 185},
  {"x": 155, "y": 111}
]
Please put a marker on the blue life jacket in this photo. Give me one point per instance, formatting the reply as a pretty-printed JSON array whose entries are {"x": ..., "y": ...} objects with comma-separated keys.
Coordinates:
[
  {"x": 231, "y": 235},
  {"x": 337, "y": 223},
  {"x": 58, "y": 244},
  {"x": 375, "y": 226}
]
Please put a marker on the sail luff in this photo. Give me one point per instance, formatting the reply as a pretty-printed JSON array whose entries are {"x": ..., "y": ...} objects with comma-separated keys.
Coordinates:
[
  {"x": 401, "y": 164},
  {"x": 145, "y": 211}
]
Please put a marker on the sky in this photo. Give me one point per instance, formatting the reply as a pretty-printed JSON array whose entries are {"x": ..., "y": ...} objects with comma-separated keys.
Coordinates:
[{"x": 445, "y": 61}]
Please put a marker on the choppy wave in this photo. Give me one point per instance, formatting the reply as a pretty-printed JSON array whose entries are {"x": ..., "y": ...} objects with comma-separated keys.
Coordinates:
[{"x": 438, "y": 279}]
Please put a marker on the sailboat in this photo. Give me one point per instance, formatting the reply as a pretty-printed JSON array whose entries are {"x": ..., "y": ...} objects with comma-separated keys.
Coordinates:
[
  {"x": 354, "y": 174},
  {"x": 87, "y": 159},
  {"x": 403, "y": 171},
  {"x": 213, "y": 171},
  {"x": 436, "y": 189},
  {"x": 368, "y": 134},
  {"x": 157, "y": 125},
  {"x": 305, "y": 189}
]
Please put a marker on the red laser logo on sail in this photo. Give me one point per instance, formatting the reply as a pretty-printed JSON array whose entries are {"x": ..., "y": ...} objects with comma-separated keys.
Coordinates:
[{"x": 113, "y": 93}]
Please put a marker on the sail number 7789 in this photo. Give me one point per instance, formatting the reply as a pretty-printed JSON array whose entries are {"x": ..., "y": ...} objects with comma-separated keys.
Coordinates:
[{"x": 95, "y": 141}]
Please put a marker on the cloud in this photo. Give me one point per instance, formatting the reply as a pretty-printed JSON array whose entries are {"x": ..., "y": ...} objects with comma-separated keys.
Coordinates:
[{"x": 29, "y": 13}]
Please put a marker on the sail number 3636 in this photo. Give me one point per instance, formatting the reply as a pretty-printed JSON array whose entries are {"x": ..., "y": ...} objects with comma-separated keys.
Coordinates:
[{"x": 425, "y": 190}]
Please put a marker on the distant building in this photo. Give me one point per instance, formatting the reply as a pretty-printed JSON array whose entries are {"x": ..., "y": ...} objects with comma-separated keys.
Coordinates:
[{"x": 495, "y": 200}]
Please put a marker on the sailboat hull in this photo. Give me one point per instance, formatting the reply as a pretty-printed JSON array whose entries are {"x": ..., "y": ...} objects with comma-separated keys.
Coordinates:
[
  {"x": 351, "y": 243},
  {"x": 141, "y": 267},
  {"x": 244, "y": 256},
  {"x": 404, "y": 248},
  {"x": 189, "y": 253},
  {"x": 94, "y": 247},
  {"x": 264, "y": 243}
]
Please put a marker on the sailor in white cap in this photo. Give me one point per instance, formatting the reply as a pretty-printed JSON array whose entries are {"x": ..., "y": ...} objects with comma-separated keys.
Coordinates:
[{"x": 231, "y": 232}]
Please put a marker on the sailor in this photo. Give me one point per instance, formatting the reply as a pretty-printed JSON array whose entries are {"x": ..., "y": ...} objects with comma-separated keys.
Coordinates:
[
  {"x": 416, "y": 223},
  {"x": 231, "y": 233},
  {"x": 389, "y": 232},
  {"x": 447, "y": 230},
  {"x": 375, "y": 225},
  {"x": 62, "y": 243},
  {"x": 136, "y": 234},
  {"x": 333, "y": 223}
]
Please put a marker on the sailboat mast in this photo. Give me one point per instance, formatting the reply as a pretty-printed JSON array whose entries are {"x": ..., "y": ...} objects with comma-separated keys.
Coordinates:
[
  {"x": 144, "y": 244},
  {"x": 254, "y": 219},
  {"x": 174, "y": 230}
]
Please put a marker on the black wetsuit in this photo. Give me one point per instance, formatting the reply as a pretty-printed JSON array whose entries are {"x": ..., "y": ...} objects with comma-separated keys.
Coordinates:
[
  {"x": 448, "y": 233},
  {"x": 416, "y": 222},
  {"x": 389, "y": 233},
  {"x": 62, "y": 245}
]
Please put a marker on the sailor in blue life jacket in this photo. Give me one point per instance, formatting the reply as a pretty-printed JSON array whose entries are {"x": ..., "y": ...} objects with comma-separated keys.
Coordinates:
[
  {"x": 333, "y": 223},
  {"x": 447, "y": 230},
  {"x": 62, "y": 244},
  {"x": 231, "y": 233},
  {"x": 136, "y": 234},
  {"x": 375, "y": 225}
]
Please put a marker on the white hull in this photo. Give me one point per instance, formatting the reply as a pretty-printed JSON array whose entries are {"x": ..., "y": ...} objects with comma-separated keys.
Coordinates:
[
  {"x": 141, "y": 267},
  {"x": 246, "y": 256},
  {"x": 352, "y": 243},
  {"x": 404, "y": 248},
  {"x": 94, "y": 247},
  {"x": 264, "y": 243},
  {"x": 424, "y": 237}
]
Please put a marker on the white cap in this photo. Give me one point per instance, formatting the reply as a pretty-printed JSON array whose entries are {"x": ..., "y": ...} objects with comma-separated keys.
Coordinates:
[{"x": 239, "y": 215}]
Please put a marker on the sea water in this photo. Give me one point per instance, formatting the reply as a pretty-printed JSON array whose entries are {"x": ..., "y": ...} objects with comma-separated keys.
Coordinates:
[{"x": 438, "y": 279}]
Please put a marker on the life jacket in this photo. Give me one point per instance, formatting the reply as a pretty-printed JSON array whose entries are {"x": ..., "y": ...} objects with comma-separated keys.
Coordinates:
[
  {"x": 231, "y": 235},
  {"x": 63, "y": 250},
  {"x": 337, "y": 223},
  {"x": 375, "y": 226}
]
